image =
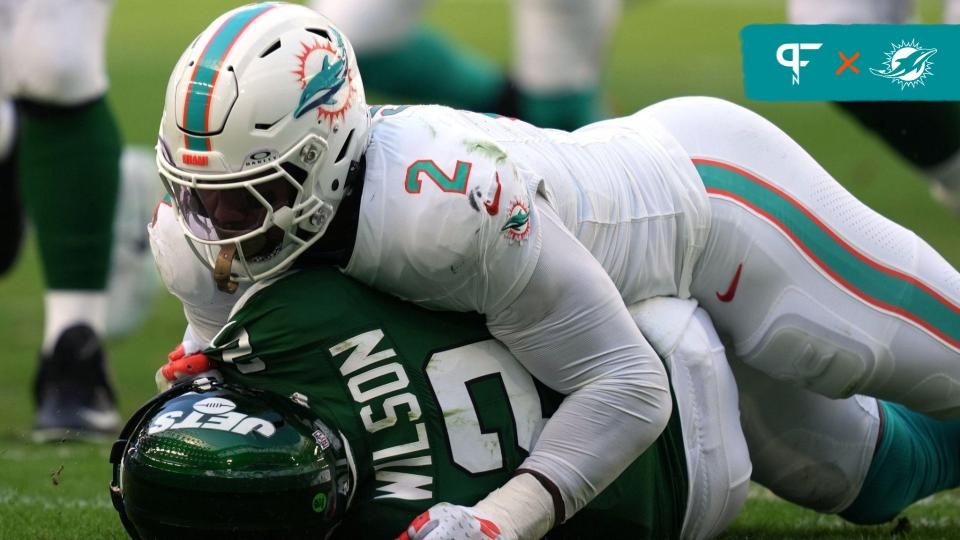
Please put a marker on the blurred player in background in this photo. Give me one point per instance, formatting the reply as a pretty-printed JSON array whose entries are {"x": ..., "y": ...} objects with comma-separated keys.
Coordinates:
[
  {"x": 925, "y": 133},
  {"x": 60, "y": 148},
  {"x": 555, "y": 75}
]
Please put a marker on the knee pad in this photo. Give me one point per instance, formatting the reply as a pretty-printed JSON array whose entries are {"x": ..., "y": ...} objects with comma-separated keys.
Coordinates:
[
  {"x": 806, "y": 343},
  {"x": 61, "y": 58},
  {"x": 806, "y": 448}
]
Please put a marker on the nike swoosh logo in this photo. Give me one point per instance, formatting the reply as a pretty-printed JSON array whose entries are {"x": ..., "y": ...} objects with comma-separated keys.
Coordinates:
[
  {"x": 494, "y": 207},
  {"x": 732, "y": 289}
]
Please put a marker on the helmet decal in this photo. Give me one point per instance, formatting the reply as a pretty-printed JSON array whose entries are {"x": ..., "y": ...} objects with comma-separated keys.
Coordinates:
[
  {"x": 328, "y": 89},
  {"x": 203, "y": 80}
]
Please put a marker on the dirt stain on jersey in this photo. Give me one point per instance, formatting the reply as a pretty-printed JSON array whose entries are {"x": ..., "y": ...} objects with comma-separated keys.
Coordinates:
[{"x": 486, "y": 148}]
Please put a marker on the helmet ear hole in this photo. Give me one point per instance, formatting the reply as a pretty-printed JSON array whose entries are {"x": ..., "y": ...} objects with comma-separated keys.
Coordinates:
[
  {"x": 345, "y": 147},
  {"x": 320, "y": 32},
  {"x": 266, "y": 52},
  {"x": 335, "y": 185}
]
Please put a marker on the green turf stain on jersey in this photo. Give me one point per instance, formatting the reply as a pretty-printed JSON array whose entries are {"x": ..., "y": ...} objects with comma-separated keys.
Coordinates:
[{"x": 486, "y": 149}]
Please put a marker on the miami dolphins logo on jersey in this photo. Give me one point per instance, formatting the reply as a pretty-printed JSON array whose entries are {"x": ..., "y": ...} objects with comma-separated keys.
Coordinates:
[
  {"x": 517, "y": 227},
  {"x": 907, "y": 64},
  {"x": 326, "y": 79}
]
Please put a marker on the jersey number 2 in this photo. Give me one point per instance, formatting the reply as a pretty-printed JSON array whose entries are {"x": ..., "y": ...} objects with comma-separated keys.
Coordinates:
[{"x": 426, "y": 167}]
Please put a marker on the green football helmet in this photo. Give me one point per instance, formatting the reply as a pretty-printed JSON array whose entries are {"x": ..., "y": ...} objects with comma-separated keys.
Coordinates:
[{"x": 212, "y": 460}]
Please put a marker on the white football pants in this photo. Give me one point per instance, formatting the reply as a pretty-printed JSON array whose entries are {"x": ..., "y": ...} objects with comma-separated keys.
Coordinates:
[
  {"x": 54, "y": 51},
  {"x": 558, "y": 44},
  {"x": 810, "y": 285}
]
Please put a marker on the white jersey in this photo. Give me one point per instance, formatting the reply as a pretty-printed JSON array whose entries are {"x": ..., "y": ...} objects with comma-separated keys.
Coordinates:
[{"x": 449, "y": 220}]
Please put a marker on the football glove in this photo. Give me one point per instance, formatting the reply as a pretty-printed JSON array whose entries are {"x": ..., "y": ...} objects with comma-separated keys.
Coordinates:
[
  {"x": 179, "y": 364},
  {"x": 445, "y": 521}
]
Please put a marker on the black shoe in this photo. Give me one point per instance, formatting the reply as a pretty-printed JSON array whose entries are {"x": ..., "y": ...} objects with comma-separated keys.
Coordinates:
[{"x": 74, "y": 398}]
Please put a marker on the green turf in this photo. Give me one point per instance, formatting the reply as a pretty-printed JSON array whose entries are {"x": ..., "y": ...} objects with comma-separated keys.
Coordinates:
[{"x": 663, "y": 49}]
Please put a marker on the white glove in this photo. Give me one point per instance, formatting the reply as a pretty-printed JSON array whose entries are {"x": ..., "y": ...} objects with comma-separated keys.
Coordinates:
[{"x": 445, "y": 521}]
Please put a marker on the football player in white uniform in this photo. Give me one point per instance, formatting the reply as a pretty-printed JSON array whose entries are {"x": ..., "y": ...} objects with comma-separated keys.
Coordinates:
[
  {"x": 551, "y": 82},
  {"x": 547, "y": 234}
]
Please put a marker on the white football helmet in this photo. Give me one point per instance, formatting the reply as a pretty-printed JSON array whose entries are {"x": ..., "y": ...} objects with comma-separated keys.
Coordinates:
[{"x": 263, "y": 118}]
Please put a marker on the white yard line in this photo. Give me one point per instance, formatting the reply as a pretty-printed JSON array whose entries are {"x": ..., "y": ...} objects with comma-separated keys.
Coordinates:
[{"x": 11, "y": 497}]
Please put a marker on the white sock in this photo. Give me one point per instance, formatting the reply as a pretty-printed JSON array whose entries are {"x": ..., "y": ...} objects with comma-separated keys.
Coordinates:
[{"x": 63, "y": 309}]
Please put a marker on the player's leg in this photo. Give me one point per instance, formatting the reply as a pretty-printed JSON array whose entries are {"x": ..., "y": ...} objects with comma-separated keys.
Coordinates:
[
  {"x": 11, "y": 211},
  {"x": 69, "y": 150},
  {"x": 134, "y": 281},
  {"x": 927, "y": 134},
  {"x": 811, "y": 285},
  {"x": 860, "y": 457},
  {"x": 558, "y": 80},
  {"x": 718, "y": 463},
  {"x": 404, "y": 59}
]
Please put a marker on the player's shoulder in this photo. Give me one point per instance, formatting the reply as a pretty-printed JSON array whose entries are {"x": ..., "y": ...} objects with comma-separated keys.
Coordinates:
[
  {"x": 180, "y": 270},
  {"x": 439, "y": 191},
  {"x": 439, "y": 161},
  {"x": 302, "y": 300}
]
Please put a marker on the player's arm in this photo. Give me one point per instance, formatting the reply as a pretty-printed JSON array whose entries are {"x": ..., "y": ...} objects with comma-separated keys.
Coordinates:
[
  {"x": 205, "y": 308},
  {"x": 570, "y": 328}
]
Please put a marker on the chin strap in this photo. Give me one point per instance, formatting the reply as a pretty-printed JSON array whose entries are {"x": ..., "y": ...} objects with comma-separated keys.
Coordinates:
[{"x": 221, "y": 270}]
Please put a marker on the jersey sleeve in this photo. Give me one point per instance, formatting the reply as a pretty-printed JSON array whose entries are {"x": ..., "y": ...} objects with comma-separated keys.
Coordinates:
[
  {"x": 204, "y": 306},
  {"x": 447, "y": 218}
]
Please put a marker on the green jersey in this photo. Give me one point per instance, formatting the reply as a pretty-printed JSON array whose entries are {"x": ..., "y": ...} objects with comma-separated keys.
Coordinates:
[{"x": 433, "y": 409}]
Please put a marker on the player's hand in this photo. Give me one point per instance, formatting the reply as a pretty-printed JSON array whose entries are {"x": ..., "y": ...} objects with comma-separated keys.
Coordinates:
[
  {"x": 447, "y": 521},
  {"x": 179, "y": 364}
]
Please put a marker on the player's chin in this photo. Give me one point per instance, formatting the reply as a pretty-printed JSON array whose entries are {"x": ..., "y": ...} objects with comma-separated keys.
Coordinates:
[
  {"x": 263, "y": 247},
  {"x": 260, "y": 248}
]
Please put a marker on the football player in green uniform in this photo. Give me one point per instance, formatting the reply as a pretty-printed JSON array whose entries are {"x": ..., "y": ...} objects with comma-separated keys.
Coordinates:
[
  {"x": 422, "y": 407},
  {"x": 376, "y": 410}
]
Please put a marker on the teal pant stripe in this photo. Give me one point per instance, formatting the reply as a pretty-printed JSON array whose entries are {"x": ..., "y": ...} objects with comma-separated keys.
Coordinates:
[
  {"x": 208, "y": 68},
  {"x": 881, "y": 286}
]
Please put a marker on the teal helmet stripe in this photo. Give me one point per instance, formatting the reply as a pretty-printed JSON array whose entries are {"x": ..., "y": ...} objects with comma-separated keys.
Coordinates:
[
  {"x": 196, "y": 109},
  {"x": 877, "y": 284}
]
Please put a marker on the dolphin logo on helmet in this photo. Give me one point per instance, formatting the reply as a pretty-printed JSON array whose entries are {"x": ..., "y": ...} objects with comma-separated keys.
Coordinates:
[{"x": 324, "y": 86}]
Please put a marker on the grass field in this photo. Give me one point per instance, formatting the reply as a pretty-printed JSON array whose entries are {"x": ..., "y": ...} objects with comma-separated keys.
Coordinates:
[{"x": 663, "y": 49}]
